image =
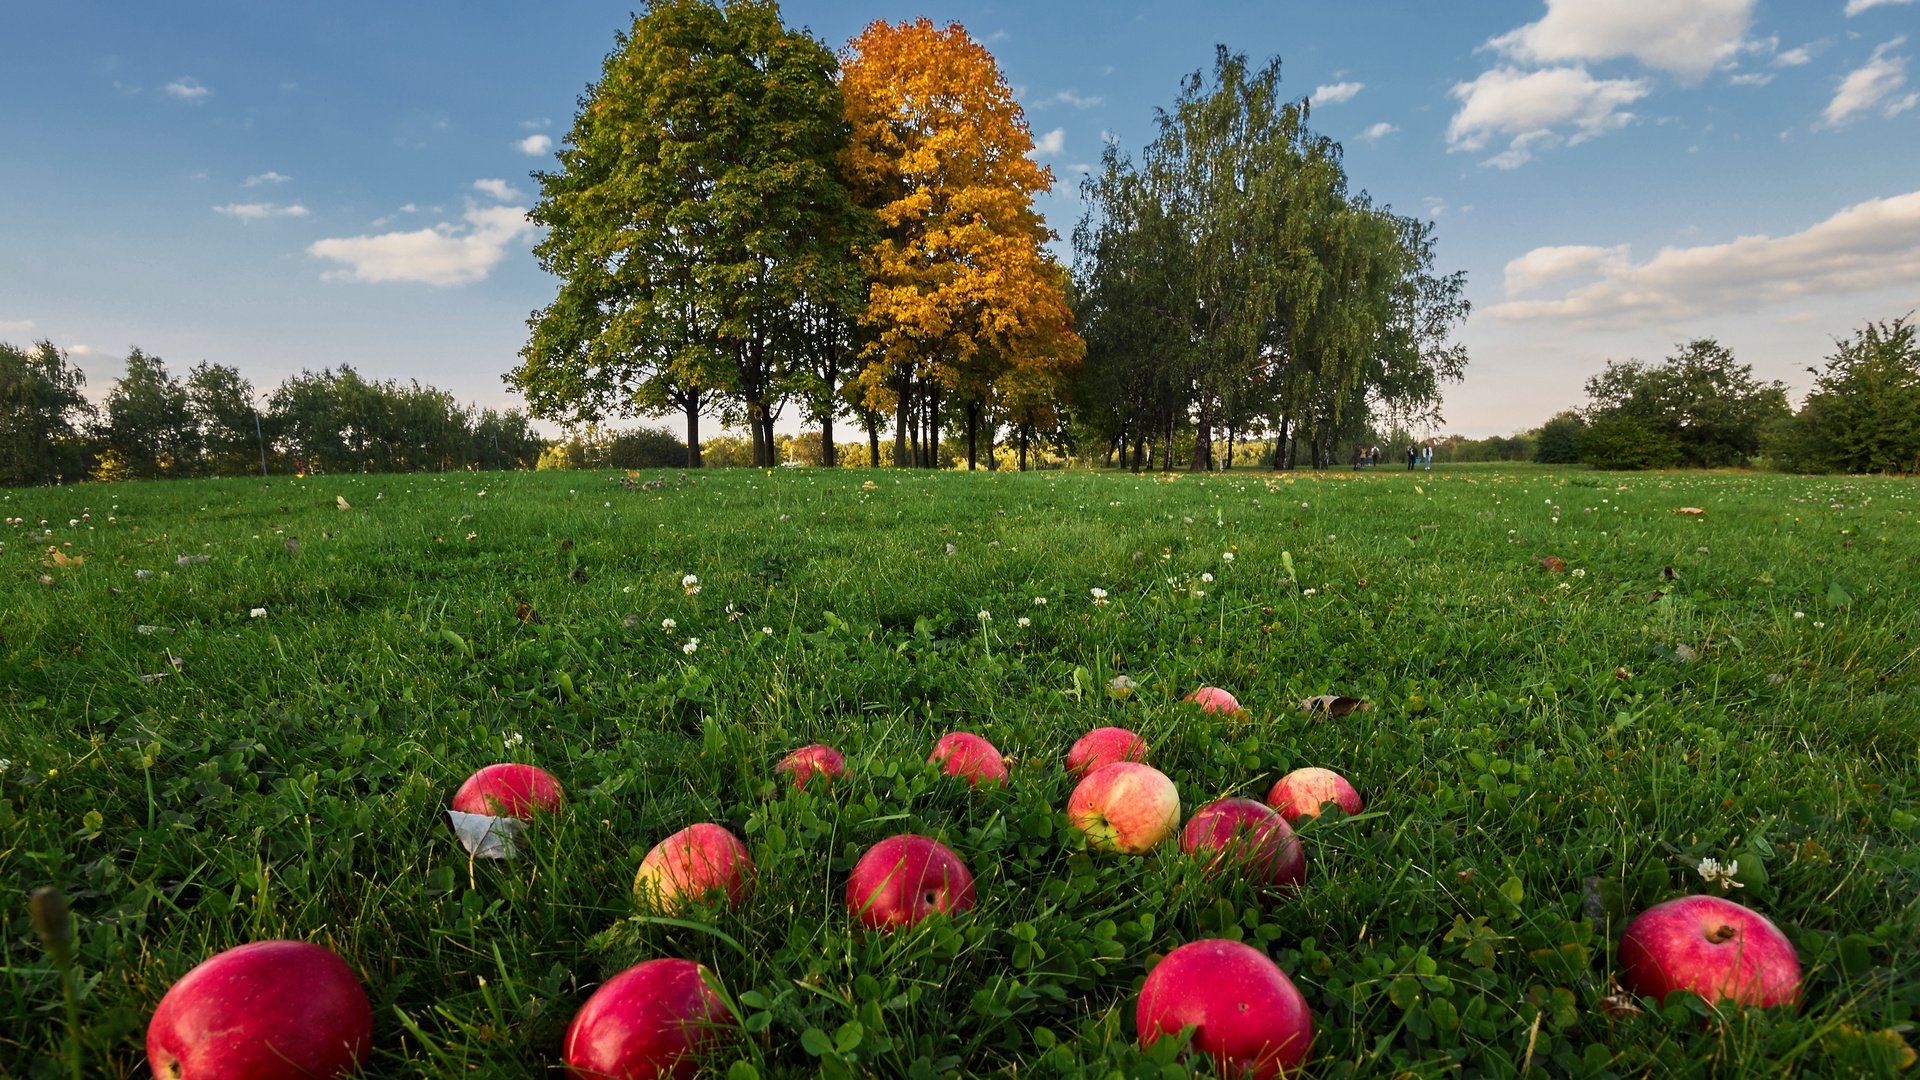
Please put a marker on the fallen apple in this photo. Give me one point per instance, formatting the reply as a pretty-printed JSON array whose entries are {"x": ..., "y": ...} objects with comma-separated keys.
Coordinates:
[
  {"x": 691, "y": 865},
  {"x": 1246, "y": 837},
  {"x": 1305, "y": 792},
  {"x": 808, "y": 762},
  {"x": 1246, "y": 1014},
  {"x": 1215, "y": 700},
  {"x": 971, "y": 756},
  {"x": 1125, "y": 806},
  {"x": 653, "y": 1019},
  {"x": 1104, "y": 746},
  {"x": 509, "y": 790},
  {"x": 905, "y": 878},
  {"x": 269, "y": 1010},
  {"x": 1713, "y": 947}
]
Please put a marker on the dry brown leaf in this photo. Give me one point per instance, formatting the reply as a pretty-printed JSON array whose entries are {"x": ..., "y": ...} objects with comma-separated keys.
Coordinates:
[
  {"x": 525, "y": 613},
  {"x": 1554, "y": 564},
  {"x": 341, "y": 501},
  {"x": 62, "y": 559},
  {"x": 1691, "y": 511},
  {"x": 1335, "y": 704},
  {"x": 1619, "y": 1006}
]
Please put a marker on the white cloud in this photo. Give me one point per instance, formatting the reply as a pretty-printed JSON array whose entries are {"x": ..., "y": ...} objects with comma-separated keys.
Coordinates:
[
  {"x": 1687, "y": 40},
  {"x": 1870, "y": 245},
  {"x": 535, "y": 145},
  {"x": 1335, "y": 93},
  {"x": 1051, "y": 143},
  {"x": 1752, "y": 78},
  {"x": 81, "y": 350},
  {"x": 188, "y": 88},
  {"x": 268, "y": 177},
  {"x": 499, "y": 189},
  {"x": 537, "y": 123},
  {"x": 1378, "y": 131},
  {"x": 446, "y": 254},
  {"x": 15, "y": 326},
  {"x": 1796, "y": 57},
  {"x": 1069, "y": 97},
  {"x": 1855, "y": 7},
  {"x": 255, "y": 211},
  {"x": 1866, "y": 86},
  {"x": 1526, "y": 107}
]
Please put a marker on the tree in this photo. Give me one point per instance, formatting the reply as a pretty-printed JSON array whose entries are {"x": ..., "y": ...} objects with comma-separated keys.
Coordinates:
[
  {"x": 41, "y": 408},
  {"x": 963, "y": 292},
  {"x": 1699, "y": 408},
  {"x": 699, "y": 204},
  {"x": 221, "y": 404},
  {"x": 1557, "y": 441},
  {"x": 148, "y": 423},
  {"x": 1863, "y": 414}
]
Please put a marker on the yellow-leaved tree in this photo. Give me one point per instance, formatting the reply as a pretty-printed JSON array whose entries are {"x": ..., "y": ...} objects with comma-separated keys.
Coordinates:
[{"x": 965, "y": 306}]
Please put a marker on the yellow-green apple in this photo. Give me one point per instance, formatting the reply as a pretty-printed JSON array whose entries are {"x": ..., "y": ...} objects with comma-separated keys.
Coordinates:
[
  {"x": 1125, "y": 806},
  {"x": 509, "y": 790},
  {"x": 905, "y": 878},
  {"x": 1246, "y": 1014},
  {"x": 653, "y": 1019},
  {"x": 971, "y": 756},
  {"x": 1304, "y": 792},
  {"x": 1713, "y": 947},
  {"x": 269, "y": 1010},
  {"x": 691, "y": 864},
  {"x": 1214, "y": 700},
  {"x": 1104, "y": 746},
  {"x": 808, "y": 762},
  {"x": 1246, "y": 837}
]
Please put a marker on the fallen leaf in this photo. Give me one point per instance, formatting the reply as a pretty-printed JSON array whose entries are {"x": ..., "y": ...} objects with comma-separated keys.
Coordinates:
[
  {"x": 1667, "y": 573},
  {"x": 341, "y": 501},
  {"x": 1655, "y": 596},
  {"x": 1554, "y": 564},
  {"x": 579, "y": 575},
  {"x": 1619, "y": 1006},
  {"x": 1335, "y": 704},
  {"x": 1691, "y": 511},
  {"x": 61, "y": 558},
  {"x": 525, "y": 613}
]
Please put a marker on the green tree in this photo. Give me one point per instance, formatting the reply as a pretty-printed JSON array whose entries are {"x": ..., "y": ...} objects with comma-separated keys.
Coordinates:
[
  {"x": 41, "y": 410},
  {"x": 1557, "y": 441},
  {"x": 148, "y": 421},
  {"x": 1863, "y": 414},
  {"x": 1699, "y": 409},
  {"x": 221, "y": 404},
  {"x": 698, "y": 205}
]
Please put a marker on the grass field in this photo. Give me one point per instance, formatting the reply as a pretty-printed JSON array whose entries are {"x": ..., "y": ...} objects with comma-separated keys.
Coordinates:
[{"x": 1549, "y": 750}]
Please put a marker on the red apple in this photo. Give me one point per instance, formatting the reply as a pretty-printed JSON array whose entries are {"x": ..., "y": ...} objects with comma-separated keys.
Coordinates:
[
  {"x": 692, "y": 864},
  {"x": 1214, "y": 700},
  {"x": 1713, "y": 947},
  {"x": 1104, "y": 746},
  {"x": 1246, "y": 1014},
  {"x": 270, "y": 1010},
  {"x": 971, "y": 756},
  {"x": 1248, "y": 837},
  {"x": 1303, "y": 792},
  {"x": 810, "y": 761},
  {"x": 1125, "y": 806},
  {"x": 905, "y": 878},
  {"x": 653, "y": 1019},
  {"x": 509, "y": 790}
]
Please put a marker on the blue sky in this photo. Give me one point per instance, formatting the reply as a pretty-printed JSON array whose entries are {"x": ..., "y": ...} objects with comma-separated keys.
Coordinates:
[{"x": 279, "y": 186}]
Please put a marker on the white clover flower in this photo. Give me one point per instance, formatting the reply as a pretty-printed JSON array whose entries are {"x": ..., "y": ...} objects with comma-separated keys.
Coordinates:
[
  {"x": 1099, "y": 596},
  {"x": 1818, "y": 625},
  {"x": 1580, "y": 572},
  {"x": 1121, "y": 687},
  {"x": 1226, "y": 556},
  {"x": 689, "y": 581},
  {"x": 257, "y": 613},
  {"x": 1309, "y": 592},
  {"x": 1715, "y": 874},
  {"x": 1799, "y": 614},
  {"x": 668, "y": 624},
  {"x": 1023, "y": 621},
  {"x": 733, "y": 613},
  {"x": 767, "y": 630},
  {"x": 1206, "y": 577},
  {"x": 1039, "y": 601},
  {"x": 692, "y": 646},
  {"x": 513, "y": 739},
  {"x": 986, "y": 616}
]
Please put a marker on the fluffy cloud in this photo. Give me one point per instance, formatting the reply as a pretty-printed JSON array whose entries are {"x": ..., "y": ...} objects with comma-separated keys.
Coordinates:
[
  {"x": 1794, "y": 57},
  {"x": 1069, "y": 97},
  {"x": 1879, "y": 79},
  {"x": 15, "y": 326},
  {"x": 535, "y": 145},
  {"x": 1377, "y": 132},
  {"x": 499, "y": 189},
  {"x": 1869, "y": 245},
  {"x": 1687, "y": 40},
  {"x": 255, "y": 211},
  {"x": 1752, "y": 78},
  {"x": 268, "y": 177},
  {"x": 1527, "y": 107},
  {"x": 444, "y": 255},
  {"x": 188, "y": 88},
  {"x": 1855, "y": 7},
  {"x": 1335, "y": 93},
  {"x": 1051, "y": 143}
]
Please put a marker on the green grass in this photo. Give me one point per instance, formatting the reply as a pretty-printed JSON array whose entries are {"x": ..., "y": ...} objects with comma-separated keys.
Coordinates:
[{"x": 1547, "y": 752}]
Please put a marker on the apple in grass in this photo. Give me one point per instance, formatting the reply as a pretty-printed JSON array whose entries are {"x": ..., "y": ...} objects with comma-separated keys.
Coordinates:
[
  {"x": 905, "y": 878},
  {"x": 1712, "y": 946},
  {"x": 971, "y": 756},
  {"x": 1125, "y": 806},
  {"x": 1215, "y": 700},
  {"x": 269, "y": 1010},
  {"x": 653, "y": 1019},
  {"x": 1304, "y": 792},
  {"x": 1246, "y": 1013},
  {"x": 692, "y": 864},
  {"x": 1248, "y": 838},
  {"x": 1104, "y": 746},
  {"x": 808, "y": 762},
  {"x": 509, "y": 790}
]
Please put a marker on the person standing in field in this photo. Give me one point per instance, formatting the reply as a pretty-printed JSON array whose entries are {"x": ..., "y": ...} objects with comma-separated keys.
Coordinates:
[
  {"x": 1413, "y": 455},
  {"x": 1429, "y": 457}
]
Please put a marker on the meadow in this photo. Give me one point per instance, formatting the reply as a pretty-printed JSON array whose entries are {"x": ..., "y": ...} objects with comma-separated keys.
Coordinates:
[{"x": 234, "y": 710}]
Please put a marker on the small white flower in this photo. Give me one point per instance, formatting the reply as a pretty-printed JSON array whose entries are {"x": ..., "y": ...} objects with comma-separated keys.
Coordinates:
[
  {"x": 1023, "y": 621},
  {"x": 767, "y": 630},
  {"x": 1121, "y": 687},
  {"x": 473, "y": 536},
  {"x": 5, "y": 764},
  {"x": 733, "y": 614},
  {"x": 626, "y": 588},
  {"x": 1206, "y": 577},
  {"x": 483, "y": 493},
  {"x": 1099, "y": 596},
  {"x": 1186, "y": 521},
  {"x": 73, "y": 523},
  {"x": 257, "y": 613},
  {"x": 1309, "y": 592},
  {"x": 1703, "y": 551},
  {"x": 1564, "y": 586},
  {"x": 692, "y": 645},
  {"x": 1799, "y": 614},
  {"x": 1715, "y": 874},
  {"x": 1039, "y": 601},
  {"x": 951, "y": 549},
  {"x": 986, "y": 616},
  {"x": 1818, "y": 625},
  {"x": 514, "y": 739},
  {"x": 1580, "y": 572},
  {"x": 668, "y": 624},
  {"x": 1226, "y": 556},
  {"x": 689, "y": 581}
]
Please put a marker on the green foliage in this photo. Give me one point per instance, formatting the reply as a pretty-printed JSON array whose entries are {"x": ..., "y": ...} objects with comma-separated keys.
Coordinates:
[
  {"x": 148, "y": 423},
  {"x": 41, "y": 412},
  {"x": 1557, "y": 441},
  {"x": 1698, "y": 408},
  {"x": 1627, "y": 442},
  {"x": 1864, "y": 412}
]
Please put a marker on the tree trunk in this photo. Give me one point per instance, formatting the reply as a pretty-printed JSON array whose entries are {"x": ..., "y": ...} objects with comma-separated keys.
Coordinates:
[
  {"x": 901, "y": 450},
  {"x": 766, "y": 437},
  {"x": 1139, "y": 450},
  {"x": 1280, "y": 441},
  {"x": 933, "y": 427},
  {"x": 829, "y": 455},
  {"x": 1166, "y": 457},
  {"x": 1233, "y": 432},
  {"x": 973, "y": 434},
  {"x": 692, "y": 401},
  {"x": 873, "y": 440},
  {"x": 1023, "y": 450},
  {"x": 1203, "y": 439}
]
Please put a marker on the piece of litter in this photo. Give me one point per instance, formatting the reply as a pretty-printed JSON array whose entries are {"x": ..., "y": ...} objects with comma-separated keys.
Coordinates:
[{"x": 486, "y": 836}]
